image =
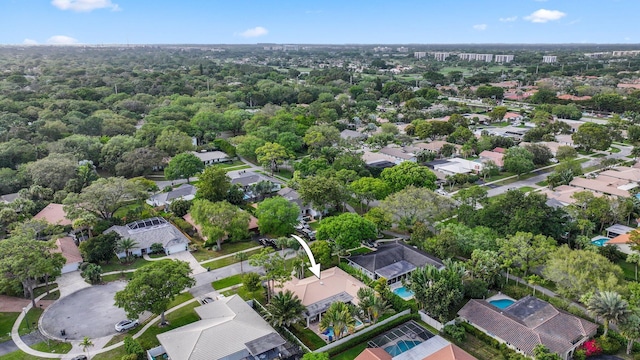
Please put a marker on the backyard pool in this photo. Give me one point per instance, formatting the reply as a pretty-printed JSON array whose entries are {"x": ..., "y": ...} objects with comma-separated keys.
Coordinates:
[
  {"x": 502, "y": 303},
  {"x": 401, "y": 346},
  {"x": 358, "y": 323},
  {"x": 403, "y": 293},
  {"x": 599, "y": 241}
]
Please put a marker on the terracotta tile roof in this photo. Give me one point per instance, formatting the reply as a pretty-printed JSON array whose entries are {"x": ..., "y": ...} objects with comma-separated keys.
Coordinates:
[
  {"x": 450, "y": 352},
  {"x": 620, "y": 239},
  {"x": 334, "y": 281},
  {"x": 69, "y": 250},
  {"x": 529, "y": 322},
  {"x": 53, "y": 214},
  {"x": 373, "y": 354}
]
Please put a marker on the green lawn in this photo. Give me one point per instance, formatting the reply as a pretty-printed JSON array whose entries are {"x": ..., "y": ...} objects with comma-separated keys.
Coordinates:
[
  {"x": 233, "y": 163},
  {"x": 116, "y": 277},
  {"x": 226, "y": 282},
  {"x": 53, "y": 347},
  {"x": 43, "y": 289},
  {"x": 7, "y": 319},
  {"x": 217, "y": 264},
  {"x": 628, "y": 269},
  {"x": 54, "y": 295},
  {"x": 307, "y": 336},
  {"x": 351, "y": 353},
  {"x": 30, "y": 322},
  {"x": 182, "y": 297},
  {"x": 259, "y": 294},
  {"x": 285, "y": 173},
  {"x": 614, "y": 149},
  {"x": 116, "y": 265},
  {"x": 227, "y": 248},
  {"x": 241, "y": 167},
  {"x": 526, "y": 189},
  {"x": 542, "y": 183}
]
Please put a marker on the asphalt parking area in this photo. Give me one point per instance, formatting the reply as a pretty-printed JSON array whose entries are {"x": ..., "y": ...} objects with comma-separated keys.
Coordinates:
[{"x": 88, "y": 312}]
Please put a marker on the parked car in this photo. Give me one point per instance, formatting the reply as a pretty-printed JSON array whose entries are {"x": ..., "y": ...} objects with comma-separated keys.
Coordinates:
[
  {"x": 206, "y": 300},
  {"x": 80, "y": 357},
  {"x": 125, "y": 325},
  {"x": 308, "y": 233}
]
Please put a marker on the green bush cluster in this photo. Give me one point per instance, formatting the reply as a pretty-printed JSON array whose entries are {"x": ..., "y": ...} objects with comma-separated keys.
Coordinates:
[
  {"x": 456, "y": 332},
  {"x": 610, "y": 345},
  {"x": 133, "y": 347}
]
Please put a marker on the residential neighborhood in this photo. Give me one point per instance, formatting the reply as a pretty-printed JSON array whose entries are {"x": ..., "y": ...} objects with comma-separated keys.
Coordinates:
[{"x": 319, "y": 202}]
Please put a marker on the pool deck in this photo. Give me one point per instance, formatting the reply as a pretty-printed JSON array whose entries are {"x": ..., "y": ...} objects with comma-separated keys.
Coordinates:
[{"x": 500, "y": 296}]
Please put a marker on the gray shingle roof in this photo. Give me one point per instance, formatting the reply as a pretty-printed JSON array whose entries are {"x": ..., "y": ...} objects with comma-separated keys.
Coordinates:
[
  {"x": 149, "y": 231},
  {"x": 395, "y": 259},
  {"x": 529, "y": 322},
  {"x": 184, "y": 190}
]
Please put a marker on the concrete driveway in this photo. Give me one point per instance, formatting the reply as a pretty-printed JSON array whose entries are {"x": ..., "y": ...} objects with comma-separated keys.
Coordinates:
[{"x": 88, "y": 312}]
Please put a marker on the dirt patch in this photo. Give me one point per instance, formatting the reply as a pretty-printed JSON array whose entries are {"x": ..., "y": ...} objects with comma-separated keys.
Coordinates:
[{"x": 12, "y": 304}]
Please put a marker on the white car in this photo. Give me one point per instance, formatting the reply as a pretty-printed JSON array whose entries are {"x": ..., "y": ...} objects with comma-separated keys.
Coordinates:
[{"x": 125, "y": 325}]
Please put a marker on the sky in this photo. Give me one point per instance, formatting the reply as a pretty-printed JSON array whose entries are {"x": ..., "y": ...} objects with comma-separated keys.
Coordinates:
[{"x": 317, "y": 21}]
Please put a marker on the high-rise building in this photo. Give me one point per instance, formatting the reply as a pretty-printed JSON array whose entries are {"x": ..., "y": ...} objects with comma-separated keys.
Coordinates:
[
  {"x": 625, "y": 53},
  {"x": 441, "y": 56},
  {"x": 549, "y": 59},
  {"x": 504, "y": 58},
  {"x": 476, "y": 57},
  {"x": 403, "y": 49},
  {"x": 419, "y": 54}
]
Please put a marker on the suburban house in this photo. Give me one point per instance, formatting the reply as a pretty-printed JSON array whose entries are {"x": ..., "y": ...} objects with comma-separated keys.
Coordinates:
[
  {"x": 9, "y": 198},
  {"x": 397, "y": 153},
  {"x": 621, "y": 242},
  {"x": 379, "y": 160},
  {"x": 150, "y": 231},
  {"x": 393, "y": 262},
  {"x": 529, "y": 322},
  {"x": 623, "y": 173},
  {"x": 552, "y": 145},
  {"x": 54, "y": 214},
  {"x": 247, "y": 179},
  {"x": 435, "y": 348},
  {"x": 494, "y": 156},
  {"x": 563, "y": 194},
  {"x": 512, "y": 116},
  {"x": 183, "y": 192},
  {"x": 617, "y": 230},
  {"x": 294, "y": 197},
  {"x": 317, "y": 295},
  {"x": 436, "y": 146},
  {"x": 228, "y": 329},
  {"x": 456, "y": 166},
  {"x": 69, "y": 250},
  {"x": 352, "y": 135},
  {"x": 605, "y": 185},
  {"x": 209, "y": 158}
]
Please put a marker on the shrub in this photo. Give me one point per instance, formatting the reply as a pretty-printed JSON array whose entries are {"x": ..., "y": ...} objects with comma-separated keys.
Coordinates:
[
  {"x": 475, "y": 289},
  {"x": 251, "y": 281},
  {"x": 580, "y": 354},
  {"x": 591, "y": 348},
  {"x": 611, "y": 252},
  {"x": 132, "y": 346},
  {"x": 129, "y": 357},
  {"x": 157, "y": 248},
  {"x": 609, "y": 345},
  {"x": 456, "y": 332}
]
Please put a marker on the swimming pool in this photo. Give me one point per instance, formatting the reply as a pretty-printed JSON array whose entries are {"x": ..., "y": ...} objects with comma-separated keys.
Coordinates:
[
  {"x": 403, "y": 293},
  {"x": 599, "y": 241},
  {"x": 401, "y": 346},
  {"x": 502, "y": 303},
  {"x": 358, "y": 323}
]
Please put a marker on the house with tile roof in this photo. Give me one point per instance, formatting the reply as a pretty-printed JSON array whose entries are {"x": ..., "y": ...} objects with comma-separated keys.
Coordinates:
[
  {"x": 529, "y": 322},
  {"x": 317, "y": 294},
  {"x": 435, "y": 348},
  {"x": 150, "y": 231},
  {"x": 228, "y": 329},
  {"x": 54, "y": 214},
  {"x": 209, "y": 158},
  {"x": 69, "y": 250},
  {"x": 394, "y": 262}
]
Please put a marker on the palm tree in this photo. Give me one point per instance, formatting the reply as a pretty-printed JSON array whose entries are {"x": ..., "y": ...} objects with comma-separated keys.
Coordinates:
[
  {"x": 379, "y": 307},
  {"x": 282, "y": 242},
  {"x": 126, "y": 245},
  {"x": 285, "y": 309},
  {"x": 86, "y": 344},
  {"x": 241, "y": 257},
  {"x": 610, "y": 306},
  {"x": 338, "y": 317},
  {"x": 365, "y": 301},
  {"x": 629, "y": 327},
  {"x": 86, "y": 221},
  {"x": 634, "y": 258}
]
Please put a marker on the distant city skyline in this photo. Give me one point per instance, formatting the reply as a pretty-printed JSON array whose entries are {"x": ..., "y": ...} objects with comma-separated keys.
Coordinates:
[{"x": 62, "y": 22}]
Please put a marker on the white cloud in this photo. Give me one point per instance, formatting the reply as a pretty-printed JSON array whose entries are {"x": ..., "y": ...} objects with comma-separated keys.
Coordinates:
[
  {"x": 544, "y": 15},
  {"x": 254, "y": 32},
  {"x": 61, "y": 40},
  {"x": 480, "y": 27},
  {"x": 85, "y": 5},
  {"x": 29, "y": 42},
  {"x": 509, "y": 19}
]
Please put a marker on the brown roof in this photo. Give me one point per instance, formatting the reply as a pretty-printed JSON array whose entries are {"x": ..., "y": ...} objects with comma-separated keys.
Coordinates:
[
  {"x": 495, "y": 156},
  {"x": 602, "y": 183},
  {"x": 450, "y": 352},
  {"x": 53, "y": 214},
  {"x": 373, "y": 354},
  {"x": 334, "y": 281},
  {"x": 529, "y": 322},
  {"x": 69, "y": 250},
  {"x": 620, "y": 239}
]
